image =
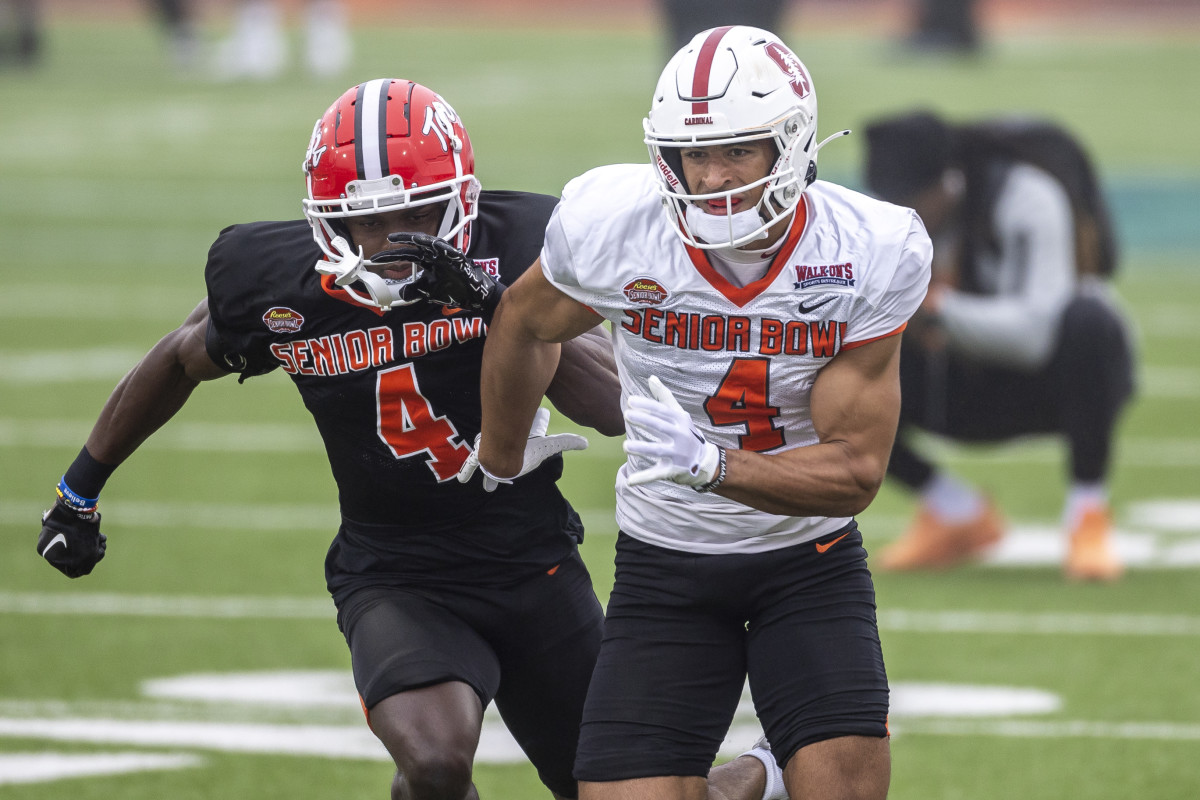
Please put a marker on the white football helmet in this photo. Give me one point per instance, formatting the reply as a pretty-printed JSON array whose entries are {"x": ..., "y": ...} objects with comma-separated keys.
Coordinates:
[{"x": 734, "y": 84}]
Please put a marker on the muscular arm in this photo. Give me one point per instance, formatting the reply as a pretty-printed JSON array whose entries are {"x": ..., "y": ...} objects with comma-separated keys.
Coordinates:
[
  {"x": 855, "y": 408},
  {"x": 586, "y": 388},
  {"x": 154, "y": 390},
  {"x": 519, "y": 360}
]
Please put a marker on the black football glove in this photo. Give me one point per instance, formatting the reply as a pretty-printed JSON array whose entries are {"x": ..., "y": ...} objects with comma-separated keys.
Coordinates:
[
  {"x": 447, "y": 278},
  {"x": 71, "y": 541}
]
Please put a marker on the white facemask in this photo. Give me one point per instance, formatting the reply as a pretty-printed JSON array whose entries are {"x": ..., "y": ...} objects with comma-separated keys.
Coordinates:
[{"x": 714, "y": 229}]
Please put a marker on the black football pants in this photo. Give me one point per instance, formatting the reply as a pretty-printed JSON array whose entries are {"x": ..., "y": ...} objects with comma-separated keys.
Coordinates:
[{"x": 1079, "y": 395}]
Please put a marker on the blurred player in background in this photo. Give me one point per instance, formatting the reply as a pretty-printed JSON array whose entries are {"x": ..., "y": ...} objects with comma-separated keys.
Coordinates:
[
  {"x": 946, "y": 26},
  {"x": 756, "y": 315},
  {"x": 686, "y": 18},
  {"x": 21, "y": 34},
  {"x": 450, "y": 595},
  {"x": 1019, "y": 333},
  {"x": 257, "y": 48}
]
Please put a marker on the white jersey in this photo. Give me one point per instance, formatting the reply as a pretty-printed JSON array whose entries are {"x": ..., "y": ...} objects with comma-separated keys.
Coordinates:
[{"x": 740, "y": 360}]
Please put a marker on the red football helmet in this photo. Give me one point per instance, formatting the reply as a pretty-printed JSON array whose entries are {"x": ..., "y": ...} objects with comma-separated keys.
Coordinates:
[{"x": 386, "y": 145}]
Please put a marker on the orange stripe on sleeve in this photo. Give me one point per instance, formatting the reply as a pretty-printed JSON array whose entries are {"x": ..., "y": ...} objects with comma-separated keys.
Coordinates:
[{"x": 852, "y": 345}]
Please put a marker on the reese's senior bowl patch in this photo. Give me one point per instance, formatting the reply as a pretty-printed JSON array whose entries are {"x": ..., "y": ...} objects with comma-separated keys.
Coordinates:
[
  {"x": 281, "y": 319},
  {"x": 645, "y": 291}
]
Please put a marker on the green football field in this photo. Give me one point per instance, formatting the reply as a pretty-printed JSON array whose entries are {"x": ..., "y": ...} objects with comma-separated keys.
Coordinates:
[{"x": 201, "y": 659}]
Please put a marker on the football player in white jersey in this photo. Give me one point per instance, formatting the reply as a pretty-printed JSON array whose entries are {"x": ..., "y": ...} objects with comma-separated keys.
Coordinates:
[{"x": 757, "y": 326}]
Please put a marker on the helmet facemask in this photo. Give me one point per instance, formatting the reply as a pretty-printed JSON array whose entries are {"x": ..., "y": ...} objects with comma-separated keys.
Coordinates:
[
  {"x": 782, "y": 187},
  {"x": 350, "y": 266}
]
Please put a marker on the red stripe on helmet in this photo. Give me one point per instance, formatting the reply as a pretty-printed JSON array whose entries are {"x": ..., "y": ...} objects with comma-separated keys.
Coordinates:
[{"x": 704, "y": 67}]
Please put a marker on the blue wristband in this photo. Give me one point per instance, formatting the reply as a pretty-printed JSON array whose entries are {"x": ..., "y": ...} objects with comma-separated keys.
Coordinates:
[{"x": 73, "y": 501}]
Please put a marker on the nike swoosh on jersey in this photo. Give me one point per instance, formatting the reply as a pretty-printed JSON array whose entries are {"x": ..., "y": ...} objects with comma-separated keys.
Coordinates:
[
  {"x": 58, "y": 539},
  {"x": 809, "y": 309},
  {"x": 821, "y": 548}
]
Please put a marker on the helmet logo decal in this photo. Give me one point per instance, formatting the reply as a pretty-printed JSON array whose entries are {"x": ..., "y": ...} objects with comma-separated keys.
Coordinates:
[
  {"x": 439, "y": 120},
  {"x": 704, "y": 62},
  {"x": 787, "y": 61},
  {"x": 312, "y": 156},
  {"x": 282, "y": 319},
  {"x": 645, "y": 291}
]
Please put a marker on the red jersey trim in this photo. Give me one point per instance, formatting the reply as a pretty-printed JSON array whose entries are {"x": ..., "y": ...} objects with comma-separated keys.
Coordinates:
[
  {"x": 338, "y": 293},
  {"x": 852, "y": 345},
  {"x": 741, "y": 295}
]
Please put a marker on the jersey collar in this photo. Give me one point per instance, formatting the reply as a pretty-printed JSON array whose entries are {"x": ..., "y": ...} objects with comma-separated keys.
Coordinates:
[{"x": 741, "y": 295}]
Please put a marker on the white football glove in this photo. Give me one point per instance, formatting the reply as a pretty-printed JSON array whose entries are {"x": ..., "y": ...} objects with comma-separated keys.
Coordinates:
[
  {"x": 682, "y": 453},
  {"x": 538, "y": 448}
]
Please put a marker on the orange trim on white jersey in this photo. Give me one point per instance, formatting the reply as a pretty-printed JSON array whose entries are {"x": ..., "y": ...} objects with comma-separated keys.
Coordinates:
[
  {"x": 741, "y": 295},
  {"x": 852, "y": 345}
]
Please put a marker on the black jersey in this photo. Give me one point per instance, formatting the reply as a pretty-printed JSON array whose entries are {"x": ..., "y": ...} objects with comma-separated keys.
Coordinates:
[{"x": 395, "y": 396}]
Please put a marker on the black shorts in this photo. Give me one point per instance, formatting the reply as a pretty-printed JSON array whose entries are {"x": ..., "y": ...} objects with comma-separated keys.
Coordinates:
[
  {"x": 530, "y": 646},
  {"x": 683, "y": 632}
]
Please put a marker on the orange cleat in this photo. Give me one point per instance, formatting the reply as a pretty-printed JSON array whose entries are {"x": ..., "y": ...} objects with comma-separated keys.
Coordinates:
[
  {"x": 931, "y": 543},
  {"x": 1090, "y": 555}
]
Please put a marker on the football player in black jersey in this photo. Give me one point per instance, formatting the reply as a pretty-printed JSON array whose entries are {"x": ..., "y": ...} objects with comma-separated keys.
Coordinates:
[{"x": 450, "y": 595}]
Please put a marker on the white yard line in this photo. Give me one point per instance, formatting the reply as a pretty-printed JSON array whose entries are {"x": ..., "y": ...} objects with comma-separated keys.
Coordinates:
[
  {"x": 40, "y": 767},
  {"x": 1052, "y": 729},
  {"x": 140, "y": 605},
  {"x": 890, "y": 619},
  {"x": 1037, "y": 623},
  {"x": 302, "y": 437},
  {"x": 111, "y": 362}
]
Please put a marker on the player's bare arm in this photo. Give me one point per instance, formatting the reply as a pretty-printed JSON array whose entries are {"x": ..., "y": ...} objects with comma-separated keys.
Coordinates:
[
  {"x": 585, "y": 387},
  {"x": 855, "y": 409},
  {"x": 149, "y": 395},
  {"x": 519, "y": 361},
  {"x": 153, "y": 391}
]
